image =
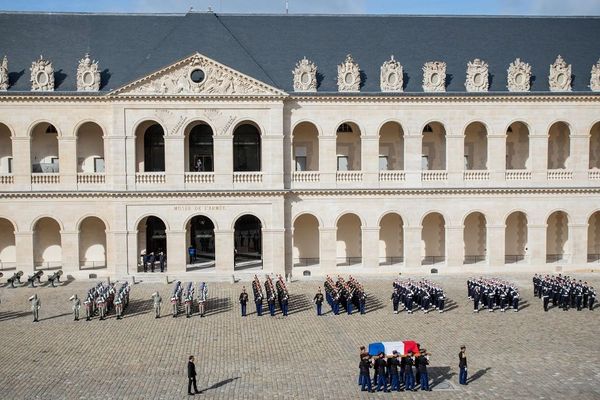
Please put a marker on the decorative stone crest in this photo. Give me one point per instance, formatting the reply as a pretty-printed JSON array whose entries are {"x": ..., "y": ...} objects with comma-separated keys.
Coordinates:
[
  {"x": 305, "y": 76},
  {"x": 595, "y": 78},
  {"x": 519, "y": 76},
  {"x": 4, "y": 74},
  {"x": 197, "y": 75},
  {"x": 477, "y": 76},
  {"x": 348, "y": 75},
  {"x": 42, "y": 75},
  {"x": 392, "y": 76},
  {"x": 560, "y": 76},
  {"x": 434, "y": 76},
  {"x": 88, "y": 75}
]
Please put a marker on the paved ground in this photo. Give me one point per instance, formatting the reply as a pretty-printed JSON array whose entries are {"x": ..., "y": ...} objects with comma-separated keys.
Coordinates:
[{"x": 529, "y": 354}]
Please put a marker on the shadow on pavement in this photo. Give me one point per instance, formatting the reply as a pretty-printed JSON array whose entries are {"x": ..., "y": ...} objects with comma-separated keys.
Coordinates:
[
  {"x": 478, "y": 375},
  {"x": 6, "y": 316},
  {"x": 439, "y": 375},
  {"x": 299, "y": 303},
  {"x": 217, "y": 305},
  {"x": 221, "y": 383}
]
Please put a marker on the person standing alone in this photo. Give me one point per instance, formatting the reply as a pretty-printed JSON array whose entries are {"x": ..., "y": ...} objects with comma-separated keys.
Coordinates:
[
  {"x": 192, "y": 377},
  {"x": 462, "y": 365}
]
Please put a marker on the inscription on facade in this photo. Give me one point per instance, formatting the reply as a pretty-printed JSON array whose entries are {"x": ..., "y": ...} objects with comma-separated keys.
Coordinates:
[{"x": 200, "y": 208}]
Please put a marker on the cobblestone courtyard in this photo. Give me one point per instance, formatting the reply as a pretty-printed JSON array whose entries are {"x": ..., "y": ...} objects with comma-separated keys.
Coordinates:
[{"x": 529, "y": 354}]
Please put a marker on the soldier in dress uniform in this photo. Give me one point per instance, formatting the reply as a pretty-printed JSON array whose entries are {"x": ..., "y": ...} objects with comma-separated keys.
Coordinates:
[
  {"x": 36, "y": 304},
  {"x": 285, "y": 298},
  {"x": 243, "y": 300},
  {"x": 101, "y": 303},
  {"x": 591, "y": 298},
  {"x": 151, "y": 260},
  {"x": 76, "y": 306},
  {"x": 395, "y": 299},
  {"x": 156, "y": 299},
  {"x": 318, "y": 300},
  {"x": 161, "y": 261},
  {"x": 409, "y": 378},
  {"x": 118, "y": 302},
  {"x": 88, "y": 303},
  {"x": 202, "y": 298}
]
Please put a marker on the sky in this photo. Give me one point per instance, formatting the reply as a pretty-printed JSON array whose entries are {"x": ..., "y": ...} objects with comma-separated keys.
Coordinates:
[{"x": 443, "y": 7}]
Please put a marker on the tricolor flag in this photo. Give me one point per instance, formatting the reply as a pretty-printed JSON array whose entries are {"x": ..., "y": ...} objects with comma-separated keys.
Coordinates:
[{"x": 388, "y": 347}]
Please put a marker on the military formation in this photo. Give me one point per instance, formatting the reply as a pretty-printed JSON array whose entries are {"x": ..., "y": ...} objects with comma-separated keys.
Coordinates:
[
  {"x": 350, "y": 295},
  {"x": 564, "y": 292},
  {"x": 492, "y": 294},
  {"x": 275, "y": 294},
  {"x": 185, "y": 296},
  {"x": 101, "y": 299},
  {"x": 421, "y": 295}
]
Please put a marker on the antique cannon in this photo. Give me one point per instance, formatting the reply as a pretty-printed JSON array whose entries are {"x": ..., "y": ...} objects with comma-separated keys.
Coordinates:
[
  {"x": 15, "y": 278},
  {"x": 35, "y": 277},
  {"x": 55, "y": 277}
]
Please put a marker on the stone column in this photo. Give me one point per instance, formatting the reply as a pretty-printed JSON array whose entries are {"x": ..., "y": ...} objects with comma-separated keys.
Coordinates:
[
  {"x": 497, "y": 159},
  {"x": 370, "y": 247},
  {"x": 24, "y": 249},
  {"x": 578, "y": 239},
  {"x": 272, "y": 161},
  {"x": 412, "y": 246},
  {"x": 455, "y": 158},
  {"x": 536, "y": 245},
  {"x": 273, "y": 251},
  {"x": 413, "y": 154},
  {"x": 579, "y": 159},
  {"x": 133, "y": 253},
  {"x": 69, "y": 241},
  {"x": 369, "y": 162},
  {"x": 67, "y": 156},
  {"x": 116, "y": 248},
  {"x": 115, "y": 164},
  {"x": 224, "y": 250},
  {"x": 455, "y": 247},
  {"x": 223, "y": 161},
  {"x": 22, "y": 162},
  {"x": 176, "y": 251},
  {"x": 538, "y": 153},
  {"x": 327, "y": 250},
  {"x": 131, "y": 161},
  {"x": 174, "y": 161},
  {"x": 495, "y": 245},
  {"x": 327, "y": 161}
]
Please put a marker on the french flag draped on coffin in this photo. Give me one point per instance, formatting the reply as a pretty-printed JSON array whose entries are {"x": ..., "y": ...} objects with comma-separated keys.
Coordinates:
[{"x": 388, "y": 347}]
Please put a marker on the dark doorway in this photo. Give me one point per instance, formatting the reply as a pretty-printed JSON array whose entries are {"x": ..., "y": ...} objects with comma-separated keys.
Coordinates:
[
  {"x": 248, "y": 242},
  {"x": 156, "y": 236},
  {"x": 246, "y": 148},
  {"x": 154, "y": 149},
  {"x": 202, "y": 240},
  {"x": 200, "y": 143}
]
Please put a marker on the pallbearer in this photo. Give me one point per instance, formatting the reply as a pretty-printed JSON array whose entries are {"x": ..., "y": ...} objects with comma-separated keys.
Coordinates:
[
  {"x": 156, "y": 300},
  {"x": 76, "y": 306}
]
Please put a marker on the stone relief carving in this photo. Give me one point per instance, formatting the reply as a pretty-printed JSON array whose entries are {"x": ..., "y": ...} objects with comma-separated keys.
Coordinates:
[
  {"x": 477, "y": 76},
  {"x": 88, "y": 75},
  {"x": 519, "y": 76},
  {"x": 560, "y": 76},
  {"x": 348, "y": 75},
  {"x": 42, "y": 75},
  {"x": 305, "y": 76},
  {"x": 392, "y": 76},
  {"x": 595, "y": 77},
  {"x": 221, "y": 122},
  {"x": 197, "y": 75},
  {"x": 4, "y": 74},
  {"x": 173, "y": 121},
  {"x": 434, "y": 76}
]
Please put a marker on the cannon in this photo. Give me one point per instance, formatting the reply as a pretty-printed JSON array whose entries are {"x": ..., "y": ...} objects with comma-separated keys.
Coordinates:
[
  {"x": 55, "y": 277},
  {"x": 176, "y": 298},
  {"x": 15, "y": 278},
  {"x": 35, "y": 277}
]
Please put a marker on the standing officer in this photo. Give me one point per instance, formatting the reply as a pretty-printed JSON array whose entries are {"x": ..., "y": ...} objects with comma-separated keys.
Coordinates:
[
  {"x": 157, "y": 300},
  {"x": 243, "y": 300},
  {"x": 395, "y": 299},
  {"x": 89, "y": 305},
  {"x": 362, "y": 302},
  {"x": 161, "y": 261},
  {"x": 192, "y": 377},
  {"x": 76, "y": 307},
  {"x": 284, "y": 303},
  {"x": 318, "y": 300},
  {"x": 271, "y": 303},
  {"x": 462, "y": 365},
  {"x": 546, "y": 296},
  {"x": 36, "y": 303},
  {"x": 591, "y": 298}
]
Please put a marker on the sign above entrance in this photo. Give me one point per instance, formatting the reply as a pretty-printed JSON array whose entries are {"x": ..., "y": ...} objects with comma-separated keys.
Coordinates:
[{"x": 200, "y": 208}]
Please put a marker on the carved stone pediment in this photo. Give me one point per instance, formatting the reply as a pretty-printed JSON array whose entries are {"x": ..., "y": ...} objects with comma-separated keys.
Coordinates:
[
  {"x": 519, "y": 76},
  {"x": 88, "y": 75},
  {"x": 305, "y": 76},
  {"x": 197, "y": 75},
  {"x": 42, "y": 75},
  {"x": 4, "y": 74},
  {"x": 348, "y": 75},
  {"x": 595, "y": 77},
  {"x": 434, "y": 76},
  {"x": 477, "y": 76},
  {"x": 560, "y": 76},
  {"x": 392, "y": 76}
]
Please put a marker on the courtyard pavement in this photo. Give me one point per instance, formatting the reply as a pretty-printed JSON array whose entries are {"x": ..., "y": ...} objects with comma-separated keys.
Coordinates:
[{"x": 528, "y": 355}]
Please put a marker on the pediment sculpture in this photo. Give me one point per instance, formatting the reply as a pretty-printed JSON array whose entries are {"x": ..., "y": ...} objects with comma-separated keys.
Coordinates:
[
  {"x": 4, "y": 74},
  {"x": 434, "y": 76},
  {"x": 477, "y": 76},
  {"x": 88, "y": 75},
  {"x": 595, "y": 77},
  {"x": 348, "y": 75},
  {"x": 392, "y": 76},
  {"x": 519, "y": 76},
  {"x": 305, "y": 76},
  {"x": 42, "y": 75},
  {"x": 560, "y": 76}
]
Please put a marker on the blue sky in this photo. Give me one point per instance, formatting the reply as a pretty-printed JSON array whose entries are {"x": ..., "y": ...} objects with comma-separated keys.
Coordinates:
[{"x": 486, "y": 7}]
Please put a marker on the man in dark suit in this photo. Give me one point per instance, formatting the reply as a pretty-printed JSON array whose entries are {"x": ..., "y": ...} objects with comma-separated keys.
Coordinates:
[{"x": 192, "y": 377}]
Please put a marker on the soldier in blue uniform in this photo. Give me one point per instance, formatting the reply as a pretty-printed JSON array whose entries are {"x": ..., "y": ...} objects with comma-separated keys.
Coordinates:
[
  {"x": 318, "y": 300},
  {"x": 243, "y": 300}
]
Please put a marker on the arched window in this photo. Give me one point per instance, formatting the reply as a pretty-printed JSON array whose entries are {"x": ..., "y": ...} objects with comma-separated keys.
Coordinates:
[
  {"x": 246, "y": 148},
  {"x": 200, "y": 143},
  {"x": 154, "y": 149}
]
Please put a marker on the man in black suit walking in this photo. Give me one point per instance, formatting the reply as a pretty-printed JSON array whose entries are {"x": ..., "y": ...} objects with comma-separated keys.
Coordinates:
[{"x": 192, "y": 377}]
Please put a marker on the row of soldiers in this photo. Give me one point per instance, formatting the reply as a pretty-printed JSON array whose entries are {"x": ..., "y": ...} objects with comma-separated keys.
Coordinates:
[
  {"x": 149, "y": 261},
  {"x": 184, "y": 296},
  {"x": 426, "y": 295},
  {"x": 397, "y": 372},
  {"x": 350, "y": 295},
  {"x": 564, "y": 292},
  {"x": 276, "y": 293},
  {"x": 101, "y": 299},
  {"x": 492, "y": 293}
]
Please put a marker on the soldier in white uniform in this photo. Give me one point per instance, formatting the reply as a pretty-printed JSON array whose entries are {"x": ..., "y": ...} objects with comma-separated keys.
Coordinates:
[
  {"x": 76, "y": 307},
  {"x": 157, "y": 300},
  {"x": 36, "y": 303}
]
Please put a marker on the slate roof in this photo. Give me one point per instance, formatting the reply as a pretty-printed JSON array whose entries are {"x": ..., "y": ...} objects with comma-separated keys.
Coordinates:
[{"x": 267, "y": 47}]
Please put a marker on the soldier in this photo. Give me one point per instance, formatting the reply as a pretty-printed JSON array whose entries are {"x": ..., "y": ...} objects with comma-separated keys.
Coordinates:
[
  {"x": 76, "y": 307},
  {"x": 462, "y": 366},
  {"x": 546, "y": 297},
  {"x": 119, "y": 307},
  {"x": 441, "y": 300},
  {"x": 101, "y": 303},
  {"x": 89, "y": 307},
  {"x": 380, "y": 365},
  {"x": 243, "y": 300},
  {"x": 591, "y": 298},
  {"x": 202, "y": 298},
  {"x": 157, "y": 300},
  {"x": 409, "y": 378},
  {"x": 271, "y": 303},
  {"x": 318, "y": 300},
  {"x": 395, "y": 299},
  {"x": 36, "y": 303},
  {"x": 162, "y": 258},
  {"x": 393, "y": 365},
  {"x": 362, "y": 302},
  {"x": 422, "y": 363},
  {"x": 284, "y": 303},
  {"x": 151, "y": 260},
  {"x": 189, "y": 300},
  {"x": 365, "y": 378}
]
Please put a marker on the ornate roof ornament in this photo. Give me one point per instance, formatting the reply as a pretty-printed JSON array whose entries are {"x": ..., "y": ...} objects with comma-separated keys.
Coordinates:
[
  {"x": 348, "y": 75},
  {"x": 434, "y": 76},
  {"x": 42, "y": 75},
  {"x": 477, "y": 76},
  {"x": 4, "y": 74},
  {"x": 392, "y": 76},
  {"x": 519, "y": 76},
  {"x": 595, "y": 78},
  {"x": 88, "y": 75},
  {"x": 560, "y": 76},
  {"x": 305, "y": 76}
]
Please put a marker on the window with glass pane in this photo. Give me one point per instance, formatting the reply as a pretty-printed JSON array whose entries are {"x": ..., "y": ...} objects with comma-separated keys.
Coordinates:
[
  {"x": 154, "y": 149},
  {"x": 201, "y": 149},
  {"x": 246, "y": 149}
]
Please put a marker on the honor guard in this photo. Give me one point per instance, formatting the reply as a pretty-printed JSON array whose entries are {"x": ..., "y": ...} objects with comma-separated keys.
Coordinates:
[
  {"x": 202, "y": 298},
  {"x": 591, "y": 298},
  {"x": 258, "y": 295},
  {"x": 101, "y": 303},
  {"x": 36, "y": 303},
  {"x": 88, "y": 303},
  {"x": 76, "y": 306},
  {"x": 156, "y": 300},
  {"x": 176, "y": 298},
  {"x": 284, "y": 303},
  {"x": 395, "y": 299},
  {"x": 243, "y": 300},
  {"x": 119, "y": 307},
  {"x": 318, "y": 300},
  {"x": 189, "y": 300}
]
